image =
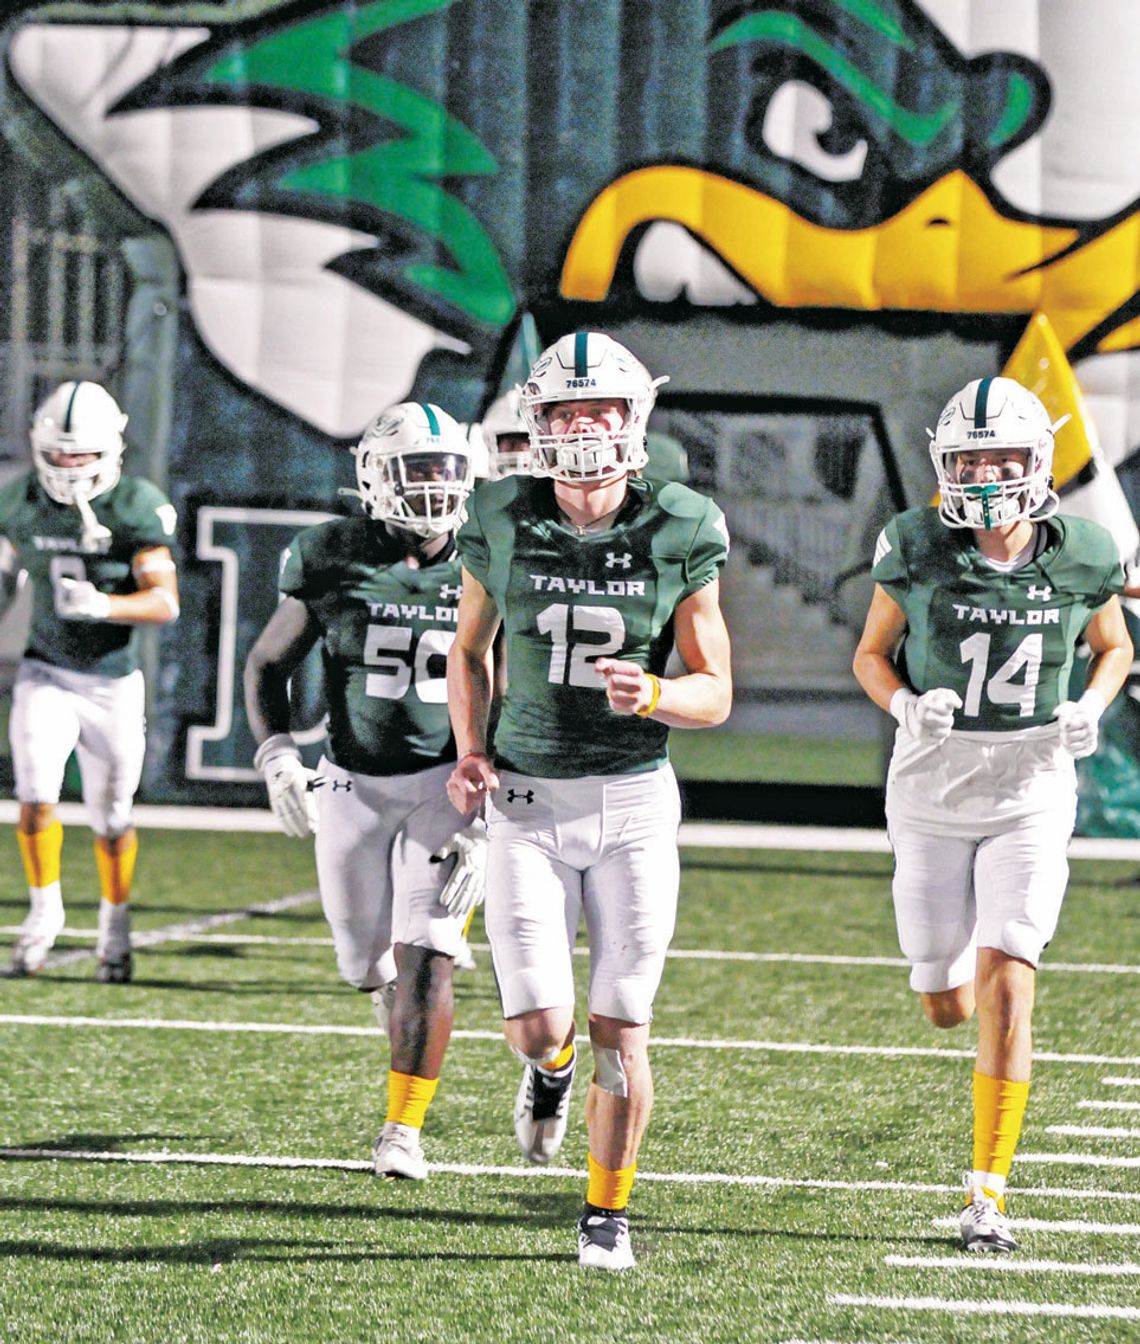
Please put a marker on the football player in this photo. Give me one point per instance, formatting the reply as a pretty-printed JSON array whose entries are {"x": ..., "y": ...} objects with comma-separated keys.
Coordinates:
[
  {"x": 380, "y": 593},
  {"x": 970, "y": 643},
  {"x": 506, "y": 437},
  {"x": 592, "y": 574},
  {"x": 96, "y": 546}
]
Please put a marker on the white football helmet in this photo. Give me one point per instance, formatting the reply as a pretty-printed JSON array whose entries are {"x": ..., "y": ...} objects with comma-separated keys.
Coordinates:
[
  {"x": 504, "y": 420},
  {"x": 996, "y": 413},
  {"x": 587, "y": 366},
  {"x": 414, "y": 469},
  {"x": 78, "y": 418}
]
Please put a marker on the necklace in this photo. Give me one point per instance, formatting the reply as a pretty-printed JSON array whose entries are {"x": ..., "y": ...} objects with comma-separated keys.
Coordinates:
[{"x": 593, "y": 524}]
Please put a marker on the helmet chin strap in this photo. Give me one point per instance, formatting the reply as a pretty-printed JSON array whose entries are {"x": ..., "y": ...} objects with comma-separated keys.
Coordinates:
[{"x": 94, "y": 532}]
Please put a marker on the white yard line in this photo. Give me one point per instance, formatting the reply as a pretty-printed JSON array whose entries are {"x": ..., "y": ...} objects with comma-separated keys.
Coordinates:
[
  {"x": 1121, "y": 1082},
  {"x": 694, "y": 834},
  {"x": 227, "y": 939},
  {"x": 976, "y": 1307},
  {"x": 1010, "y": 1264},
  {"x": 659, "y": 1042},
  {"x": 186, "y": 933},
  {"x": 714, "y": 1178},
  {"x": 1078, "y": 1160},
  {"x": 1094, "y": 1131},
  {"x": 1108, "y": 1105},
  {"x": 1079, "y": 1225},
  {"x": 172, "y": 933}
]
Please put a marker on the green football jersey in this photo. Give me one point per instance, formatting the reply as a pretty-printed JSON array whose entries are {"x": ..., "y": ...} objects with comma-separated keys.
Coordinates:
[
  {"x": 566, "y": 600},
  {"x": 48, "y": 540},
  {"x": 1004, "y": 642},
  {"x": 386, "y": 629}
]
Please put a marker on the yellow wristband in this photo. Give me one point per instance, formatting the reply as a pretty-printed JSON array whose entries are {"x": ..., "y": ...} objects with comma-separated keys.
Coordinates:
[{"x": 653, "y": 699}]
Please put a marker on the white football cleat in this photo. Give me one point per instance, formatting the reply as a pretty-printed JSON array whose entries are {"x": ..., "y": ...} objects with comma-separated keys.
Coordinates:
[
  {"x": 983, "y": 1226},
  {"x": 603, "y": 1240},
  {"x": 35, "y": 940},
  {"x": 542, "y": 1109},
  {"x": 397, "y": 1153}
]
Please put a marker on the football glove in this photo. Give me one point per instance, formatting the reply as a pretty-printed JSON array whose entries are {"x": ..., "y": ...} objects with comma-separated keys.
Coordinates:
[
  {"x": 78, "y": 600},
  {"x": 929, "y": 716},
  {"x": 466, "y": 887},
  {"x": 1079, "y": 720},
  {"x": 292, "y": 799}
]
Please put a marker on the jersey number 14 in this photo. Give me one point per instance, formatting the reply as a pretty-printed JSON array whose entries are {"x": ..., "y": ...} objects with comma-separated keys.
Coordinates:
[{"x": 1002, "y": 688}]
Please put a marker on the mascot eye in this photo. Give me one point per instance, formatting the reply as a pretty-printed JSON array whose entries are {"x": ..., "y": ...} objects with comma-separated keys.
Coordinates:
[{"x": 799, "y": 123}]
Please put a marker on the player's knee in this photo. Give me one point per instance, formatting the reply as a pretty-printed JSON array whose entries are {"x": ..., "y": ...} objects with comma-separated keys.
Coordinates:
[
  {"x": 947, "y": 1009},
  {"x": 110, "y": 821},
  {"x": 355, "y": 970},
  {"x": 35, "y": 817},
  {"x": 535, "y": 1041}
]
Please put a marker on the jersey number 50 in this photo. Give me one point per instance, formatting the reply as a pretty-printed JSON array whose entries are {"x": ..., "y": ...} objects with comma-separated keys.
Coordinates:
[{"x": 389, "y": 647}]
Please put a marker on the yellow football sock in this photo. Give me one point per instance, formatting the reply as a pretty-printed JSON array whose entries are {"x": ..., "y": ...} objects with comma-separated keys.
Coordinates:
[
  {"x": 116, "y": 869},
  {"x": 41, "y": 854},
  {"x": 999, "y": 1108},
  {"x": 560, "y": 1060},
  {"x": 609, "y": 1189},
  {"x": 408, "y": 1098}
]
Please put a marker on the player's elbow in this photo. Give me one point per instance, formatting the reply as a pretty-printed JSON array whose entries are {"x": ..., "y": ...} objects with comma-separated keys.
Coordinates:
[
  {"x": 718, "y": 704},
  {"x": 166, "y": 607}
]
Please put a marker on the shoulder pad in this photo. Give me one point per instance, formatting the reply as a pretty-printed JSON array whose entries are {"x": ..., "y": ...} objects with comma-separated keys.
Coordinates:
[{"x": 677, "y": 500}]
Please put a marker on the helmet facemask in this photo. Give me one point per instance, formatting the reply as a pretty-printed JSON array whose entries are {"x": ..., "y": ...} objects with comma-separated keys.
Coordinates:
[
  {"x": 414, "y": 470},
  {"x": 1000, "y": 417}
]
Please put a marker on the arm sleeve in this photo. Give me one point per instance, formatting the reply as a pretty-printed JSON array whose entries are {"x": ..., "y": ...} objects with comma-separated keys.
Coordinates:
[
  {"x": 156, "y": 521},
  {"x": 471, "y": 544},
  {"x": 708, "y": 551}
]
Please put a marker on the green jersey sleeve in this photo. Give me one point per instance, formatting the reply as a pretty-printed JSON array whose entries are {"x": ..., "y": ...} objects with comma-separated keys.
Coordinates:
[
  {"x": 471, "y": 541},
  {"x": 888, "y": 568},
  {"x": 709, "y": 550}
]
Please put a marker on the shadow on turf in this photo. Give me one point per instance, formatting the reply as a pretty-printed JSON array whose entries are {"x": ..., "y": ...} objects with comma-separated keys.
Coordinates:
[
  {"x": 759, "y": 863},
  {"x": 59, "y": 976},
  {"x": 255, "y": 1249},
  {"x": 558, "y": 1210}
]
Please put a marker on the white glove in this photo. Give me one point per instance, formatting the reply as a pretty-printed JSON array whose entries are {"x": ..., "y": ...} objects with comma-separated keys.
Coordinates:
[
  {"x": 929, "y": 716},
  {"x": 292, "y": 799},
  {"x": 467, "y": 885},
  {"x": 78, "y": 600},
  {"x": 1078, "y": 720}
]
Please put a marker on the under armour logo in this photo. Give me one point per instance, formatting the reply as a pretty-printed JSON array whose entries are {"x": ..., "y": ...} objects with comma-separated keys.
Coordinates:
[
  {"x": 1044, "y": 592},
  {"x": 527, "y": 797},
  {"x": 345, "y": 784},
  {"x": 448, "y": 590},
  {"x": 615, "y": 561}
]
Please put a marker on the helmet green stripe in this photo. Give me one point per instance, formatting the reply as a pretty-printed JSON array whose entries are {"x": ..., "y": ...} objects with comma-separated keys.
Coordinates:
[{"x": 980, "y": 403}]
